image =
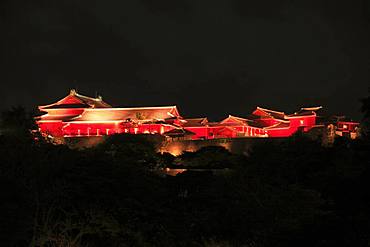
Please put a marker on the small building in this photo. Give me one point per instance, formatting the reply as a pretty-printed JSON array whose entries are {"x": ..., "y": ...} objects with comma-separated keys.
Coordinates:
[
  {"x": 279, "y": 124},
  {"x": 347, "y": 128}
]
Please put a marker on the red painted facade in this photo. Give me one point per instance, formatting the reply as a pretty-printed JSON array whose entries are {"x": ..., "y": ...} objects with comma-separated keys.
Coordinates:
[
  {"x": 347, "y": 126},
  {"x": 77, "y": 115}
]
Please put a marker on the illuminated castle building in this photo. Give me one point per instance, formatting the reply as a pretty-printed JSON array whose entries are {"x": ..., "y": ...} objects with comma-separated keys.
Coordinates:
[
  {"x": 343, "y": 126},
  {"x": 76, "y": 115}
]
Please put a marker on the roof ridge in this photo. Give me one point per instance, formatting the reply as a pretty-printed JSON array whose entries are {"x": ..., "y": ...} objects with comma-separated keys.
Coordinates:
[
  {"x": 268, "y": 110},
  {"x": 87, "y": 97},
  {"x": 132, "y": 108},
  {"x": 195, "y": 118},
  {"x": 232, "y": 116},
  {"x": 274, "y": 125},
  {"x": 311, "y": 108}
]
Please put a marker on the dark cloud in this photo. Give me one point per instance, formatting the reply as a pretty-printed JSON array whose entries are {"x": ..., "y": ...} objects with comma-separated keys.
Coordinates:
[{"x": 209, "y": 57}]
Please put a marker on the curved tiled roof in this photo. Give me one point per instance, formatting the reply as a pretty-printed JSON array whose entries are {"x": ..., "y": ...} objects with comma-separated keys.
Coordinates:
[
  {"x": 194, "y": 122},
  {"x": 122, "y": 114},
  {"x": 48, "y": 117},
  {"x": 75, "y": 100},
  {"x": 268, "y": 112},
  {"x": 279, "y": 125}
]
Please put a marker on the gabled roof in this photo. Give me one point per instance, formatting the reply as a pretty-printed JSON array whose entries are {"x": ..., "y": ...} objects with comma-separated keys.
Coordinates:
[
  {"x": 268, "y": 113},
  {"x": 194, "y": 122},
  {"x": 75, "y": 100},
  {"x": 122, "y": 114},
  {"x": 260, "y": 121},
  {"x": 279, "y": 125},
  {"x": 234, "y": 119},
  {"x": 305, "y": 111}
]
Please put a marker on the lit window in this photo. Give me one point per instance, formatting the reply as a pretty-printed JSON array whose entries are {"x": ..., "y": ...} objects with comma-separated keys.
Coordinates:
[
  {"x": 301, "y": 122},
  {"x": 345, "y": 126}
]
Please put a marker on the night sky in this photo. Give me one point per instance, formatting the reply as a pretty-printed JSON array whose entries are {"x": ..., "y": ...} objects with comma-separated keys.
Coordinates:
[{"x": 209, "y": 57}]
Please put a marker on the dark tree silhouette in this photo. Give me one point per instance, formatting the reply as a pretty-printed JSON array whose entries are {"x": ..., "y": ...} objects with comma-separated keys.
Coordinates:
[
  {"x": 365, "y": 108},
  {"x": 17, "y": 120}
]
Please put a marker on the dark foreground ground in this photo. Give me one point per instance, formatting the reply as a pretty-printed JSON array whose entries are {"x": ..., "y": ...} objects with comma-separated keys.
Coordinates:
[{"x": 289, "y": 193}]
